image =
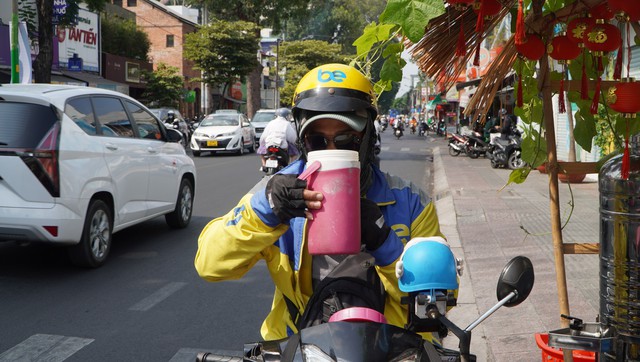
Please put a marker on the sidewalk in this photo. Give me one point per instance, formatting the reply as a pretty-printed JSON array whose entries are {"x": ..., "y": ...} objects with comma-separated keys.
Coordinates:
[{"x": 486, "y": 227}]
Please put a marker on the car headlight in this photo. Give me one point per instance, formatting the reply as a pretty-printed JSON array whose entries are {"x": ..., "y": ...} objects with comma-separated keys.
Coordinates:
[{"x": 199, "y": 134}]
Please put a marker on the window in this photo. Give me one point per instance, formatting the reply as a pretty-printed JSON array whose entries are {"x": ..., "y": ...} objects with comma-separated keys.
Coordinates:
[
  {"x": 132, "y": 3},
  {"x": 112, "y": 117},
  {"x": 117, "y": 3},
  {"x": 147, "y": 125},
  {"x": 169, "y": 41},
  {"x": 81, "y": 112}
]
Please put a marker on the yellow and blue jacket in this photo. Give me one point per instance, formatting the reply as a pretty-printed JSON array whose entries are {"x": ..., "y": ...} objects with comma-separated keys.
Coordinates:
[{"x": 231, "y": 245}]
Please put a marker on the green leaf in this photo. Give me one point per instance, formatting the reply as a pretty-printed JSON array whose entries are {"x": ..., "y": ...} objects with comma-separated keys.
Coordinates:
[
  {"x": 519, "y": 176},
  {"x": 534, "y": 150},
  {"x": 585, "y": 129},
  {"x": 393, "y": 48},
  {"x": 382, "y": 86},
  {"x": 370, "y": 36},
  {"x": 392, "y": 68},
  {"x": 412, "y": 15}
]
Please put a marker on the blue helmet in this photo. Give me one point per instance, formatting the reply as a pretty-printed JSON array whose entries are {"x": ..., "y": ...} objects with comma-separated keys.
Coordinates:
[
  {"x": 283, "y": 112},
  {"x": 427, "y": 264}
]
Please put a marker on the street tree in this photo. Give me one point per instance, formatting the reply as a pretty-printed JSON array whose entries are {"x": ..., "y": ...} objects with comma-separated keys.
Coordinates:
[
  {"x": 264, "y": 14},
  {"x": 225, "y": 51},
  {"x": 44, "y": 60},
  {"x": 122, "y": 37},
  {"x": 164, "y": 86},
  {"x": 299, "y": 57}
]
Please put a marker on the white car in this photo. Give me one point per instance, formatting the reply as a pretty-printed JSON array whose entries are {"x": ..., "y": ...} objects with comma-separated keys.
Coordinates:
[
  {"x": 78, "y": 164},
  {"x": 225, "y": 130}
]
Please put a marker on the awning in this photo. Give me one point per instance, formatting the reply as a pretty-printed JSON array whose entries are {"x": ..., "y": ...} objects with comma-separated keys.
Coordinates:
[
  {"x": 95, "y": 80},
  {"x": 56, "y": 78}
]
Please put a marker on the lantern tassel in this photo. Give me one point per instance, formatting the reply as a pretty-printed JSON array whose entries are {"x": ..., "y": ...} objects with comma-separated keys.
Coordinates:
[
  {"x": 596, "y": 97},
  {"x": 561, "y": 106},
  {"x": 520, "y": 37},
  {"x": 584, "y": 86},
  {"x": 596, "y": 94},
  {"x": 476, "y": 58},
  {"x": 617, "y": 70},
  {"x": 480, "y": 20},
  {"x": 519, "y": 100},
  {"x": 461, "y": 48}
]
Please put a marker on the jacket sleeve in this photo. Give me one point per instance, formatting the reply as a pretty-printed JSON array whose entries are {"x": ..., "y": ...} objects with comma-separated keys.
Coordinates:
[{"x": 230, "y": 245}]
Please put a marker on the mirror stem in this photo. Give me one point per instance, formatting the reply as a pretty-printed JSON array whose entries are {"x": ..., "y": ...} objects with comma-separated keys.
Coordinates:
[{"x": 491, "y": 311}]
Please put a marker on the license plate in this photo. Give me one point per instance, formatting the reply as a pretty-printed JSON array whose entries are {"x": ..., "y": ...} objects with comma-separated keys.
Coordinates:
[
  {"x": 213, "y": 143},
  {"x": 271, "y": 163}
]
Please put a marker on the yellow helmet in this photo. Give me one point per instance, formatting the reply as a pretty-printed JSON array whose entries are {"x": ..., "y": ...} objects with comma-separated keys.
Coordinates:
[{"x": 334, "y": 88}]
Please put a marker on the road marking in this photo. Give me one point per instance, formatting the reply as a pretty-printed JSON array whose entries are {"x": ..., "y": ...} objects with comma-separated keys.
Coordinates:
[
  {"x": 157, "y": 297},
  {"x": 405, "y": 149},
  {"x": 384, "y": 148},
  {"x": 45, "y": 347}
]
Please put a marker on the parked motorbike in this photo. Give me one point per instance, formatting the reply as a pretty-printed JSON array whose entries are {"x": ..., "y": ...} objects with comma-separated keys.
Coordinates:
[
  {"x": 506, "y": 153},
  {"x": 458, "y": 144},
  {"x": 367, "y": 337},
  {"x": 275, "y": 160},
  {"x": 476, "y": 145}
]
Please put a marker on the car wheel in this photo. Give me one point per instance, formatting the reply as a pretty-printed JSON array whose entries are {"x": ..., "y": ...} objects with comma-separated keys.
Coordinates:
[
  {"x": 252, "y": 148},
  {"x": 241, "y": 150},
  {"x": 180, "y": 217},
  {"x": 196, "y": 153},
  {"x": 95, "y": 243}
]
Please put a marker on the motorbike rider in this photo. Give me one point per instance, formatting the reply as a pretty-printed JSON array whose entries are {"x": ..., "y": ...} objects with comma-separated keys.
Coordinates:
[
  {"x": 509, "y": 124},
  {"x": 178, "y": 124},
  {"x": 334, "y": 107},
  {"x": 279, "y": 132}
]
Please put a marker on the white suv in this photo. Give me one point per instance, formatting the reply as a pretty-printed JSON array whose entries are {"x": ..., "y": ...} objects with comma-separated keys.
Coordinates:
[{"x": 78, "y": 164}]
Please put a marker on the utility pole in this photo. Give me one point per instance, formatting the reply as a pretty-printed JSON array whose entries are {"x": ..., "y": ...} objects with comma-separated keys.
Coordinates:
[{"x": 275, "y": 88}]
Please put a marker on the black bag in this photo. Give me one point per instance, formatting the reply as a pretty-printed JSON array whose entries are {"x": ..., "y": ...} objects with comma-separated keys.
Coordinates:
[{"x": 352, "y": 283}]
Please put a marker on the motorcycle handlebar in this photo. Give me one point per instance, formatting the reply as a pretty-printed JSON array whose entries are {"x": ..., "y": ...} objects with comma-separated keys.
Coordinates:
[{"x": 211, "y": 357}]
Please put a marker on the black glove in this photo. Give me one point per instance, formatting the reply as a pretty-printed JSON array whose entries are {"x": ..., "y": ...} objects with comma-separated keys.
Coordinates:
[
  {"x": 284, "y": 193},
  {"x": 374, "y": 230}
]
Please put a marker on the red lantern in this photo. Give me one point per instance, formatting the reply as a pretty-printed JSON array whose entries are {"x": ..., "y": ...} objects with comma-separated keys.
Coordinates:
[
  {"x": 562, "y": 49},
  {"x": 532, "y": 49},
  {"x": 601, "y": 38},
  {"x": 625, "y": 10},
  {"x": 623, "y": 98},
  {"x": 576, "y": 29},
  {"x": 488, "y": 8},
  {"x": 601, "y": 11}
]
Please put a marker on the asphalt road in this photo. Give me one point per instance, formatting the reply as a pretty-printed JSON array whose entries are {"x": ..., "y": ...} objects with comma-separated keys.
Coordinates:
[{"x": 147, "y": 303}]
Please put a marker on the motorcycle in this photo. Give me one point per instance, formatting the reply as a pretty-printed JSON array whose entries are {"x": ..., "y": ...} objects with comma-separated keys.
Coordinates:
[
  {"x": 458, "y": 144},
  {"x": 476, "y": 145},
  {"x": 363, "y": 335},
  {"x": 398, "y": 132},
  {"x": 506, "y": 153},
  {"x": 442, "y": 128},
  {"x": 275, "y": 160},
  {"x": 422, "y": 129}
]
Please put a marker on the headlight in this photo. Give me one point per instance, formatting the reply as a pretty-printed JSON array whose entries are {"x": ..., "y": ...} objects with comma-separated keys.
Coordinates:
[{"x": 199, "y": 134}]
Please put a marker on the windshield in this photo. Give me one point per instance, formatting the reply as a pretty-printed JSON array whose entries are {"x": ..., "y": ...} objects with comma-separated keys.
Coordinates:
[
  {"x": 220, "y": 120},
  {"x": 263, "y": 117}
]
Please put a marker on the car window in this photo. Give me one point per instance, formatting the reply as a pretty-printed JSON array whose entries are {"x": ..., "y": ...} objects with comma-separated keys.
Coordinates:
[
  {"x": 81, "y": 112},
  {"x": 111, "y": 114},
  {"x": 220, "y": 120},
  {"x": 263, "y": 117},
  {"x": 147, "y": 125},
  {"x": 24, "y": 125}
]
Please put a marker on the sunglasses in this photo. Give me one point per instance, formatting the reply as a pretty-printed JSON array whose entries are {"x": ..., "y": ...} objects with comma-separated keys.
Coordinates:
[{"x": 318, "y": 142}]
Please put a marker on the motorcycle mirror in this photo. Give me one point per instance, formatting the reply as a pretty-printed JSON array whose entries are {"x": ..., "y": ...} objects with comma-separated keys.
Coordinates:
[{"x": 516, "y": 276}]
